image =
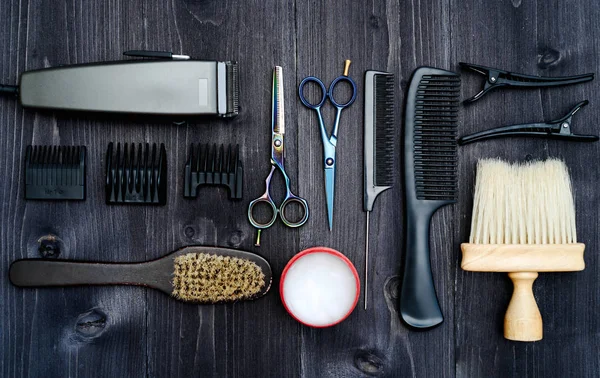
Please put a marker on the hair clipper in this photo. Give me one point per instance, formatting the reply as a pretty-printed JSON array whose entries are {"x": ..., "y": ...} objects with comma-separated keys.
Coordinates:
[{"x": 178, "y": 86}]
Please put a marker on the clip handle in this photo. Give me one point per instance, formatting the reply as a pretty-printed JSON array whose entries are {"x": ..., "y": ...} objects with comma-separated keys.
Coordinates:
[{"x": 557, "y": 129}]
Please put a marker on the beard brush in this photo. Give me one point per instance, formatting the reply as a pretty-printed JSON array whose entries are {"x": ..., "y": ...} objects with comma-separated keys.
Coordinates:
[
  {"x": 430, "y": 179},
  {"x": 523, "y": 223},
  {"x": 191, "y": 274},
  {"x": 379, "y": 145}
]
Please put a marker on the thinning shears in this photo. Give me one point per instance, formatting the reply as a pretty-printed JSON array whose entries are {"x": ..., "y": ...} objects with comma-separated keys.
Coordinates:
[
  {"x": 277, "y": 162},
  {"x": 329, "y": 142}
]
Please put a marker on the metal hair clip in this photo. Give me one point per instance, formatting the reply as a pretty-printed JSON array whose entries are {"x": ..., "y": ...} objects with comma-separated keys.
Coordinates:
[
  {"x": 558, "y": 129},
  {"x": 497, "y": 78}
]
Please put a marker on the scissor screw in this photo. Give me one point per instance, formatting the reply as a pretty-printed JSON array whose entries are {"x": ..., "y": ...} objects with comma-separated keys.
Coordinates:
[
  {"x": 278, "y": 143},
  {"x": 329, "y": 161},
  {"x": 493, "y": 79},
  {"x": 565, "y": 125}
]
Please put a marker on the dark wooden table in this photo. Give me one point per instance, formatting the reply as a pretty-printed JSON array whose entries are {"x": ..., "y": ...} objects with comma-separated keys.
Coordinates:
[{"x": 131, "y": 331}]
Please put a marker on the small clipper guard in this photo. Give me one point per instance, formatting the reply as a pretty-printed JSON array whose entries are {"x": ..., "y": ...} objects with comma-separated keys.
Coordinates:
[
  {"x": 55, "y": 173},
  {"x": 205, "y": 167},
  {"x": 136, "y": 176}
]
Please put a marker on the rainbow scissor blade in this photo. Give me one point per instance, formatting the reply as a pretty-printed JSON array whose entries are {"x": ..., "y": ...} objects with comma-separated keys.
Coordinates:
[{"x": 278, "y": 118}]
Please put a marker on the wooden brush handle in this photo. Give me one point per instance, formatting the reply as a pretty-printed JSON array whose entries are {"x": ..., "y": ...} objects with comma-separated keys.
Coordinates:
[
  {"x": 44, "y": 272},
  {"x": 523, "y": 321}
]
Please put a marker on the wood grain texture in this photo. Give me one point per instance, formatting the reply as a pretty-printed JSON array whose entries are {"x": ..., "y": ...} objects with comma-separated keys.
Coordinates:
[
  {"x": 128, "y": 331},
  {"x": 523, "y": 321}
]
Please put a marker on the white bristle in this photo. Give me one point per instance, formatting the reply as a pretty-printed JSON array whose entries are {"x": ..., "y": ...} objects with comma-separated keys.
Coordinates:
[{"x": 528, "y": 203}]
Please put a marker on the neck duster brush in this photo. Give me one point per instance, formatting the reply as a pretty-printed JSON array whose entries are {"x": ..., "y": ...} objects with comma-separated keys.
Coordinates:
[{"x": 523, "y": 223}]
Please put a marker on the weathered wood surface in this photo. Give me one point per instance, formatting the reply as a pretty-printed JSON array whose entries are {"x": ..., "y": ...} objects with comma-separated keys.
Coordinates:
[{"x": 128, "y": 331}]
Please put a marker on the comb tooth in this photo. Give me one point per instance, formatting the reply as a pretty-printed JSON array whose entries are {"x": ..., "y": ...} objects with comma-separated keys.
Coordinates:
[
  {"x": 194, "y": 160},
  {"x": 121, "y": 167},
  {"x": 205, "y": 158},
  {"x": 228, "y": 158},
  {"x": 135, "y": 168},
  {"x": 82, "y": 151},
  {"x": 28, "y": 153},
  {"x": 129, "y": 156},
  {"x": 150, "y": 188},
  {"x": 196, "y": 168},
  {"x": 40, "y": 160},
  {"x": 211, "y": 162},
  {"x": 161, "y": 178},
  {"x": 190, "y": 167},
  {"x": 219, "y": 169},
  {"x": 118, "y": 185},
  {"x": 37, "y": 179},
  {"x": 63, "y": 166},
  {"x": 143, "y": 170},
  {"x": 110, "y": 175},
  {"x": 236, "y": 158},
  {"x": 48, "y": 165},
  {"x": 66, "y": 165}
]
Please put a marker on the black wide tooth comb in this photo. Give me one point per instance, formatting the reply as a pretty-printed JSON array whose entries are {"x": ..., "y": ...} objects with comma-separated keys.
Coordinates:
[
  {"x": 55, "y": 173},
  {"x": 136, "y": 177},
  {"x": 430, "y": 169},
  {"x": 205, "y": 166}
]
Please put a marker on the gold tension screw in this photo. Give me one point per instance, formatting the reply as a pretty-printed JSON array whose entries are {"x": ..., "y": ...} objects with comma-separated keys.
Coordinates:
[{"x": 347, "y": 66}]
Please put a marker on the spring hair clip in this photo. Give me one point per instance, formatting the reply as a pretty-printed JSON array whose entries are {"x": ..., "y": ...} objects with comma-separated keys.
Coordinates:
[
  {"x": 497, "y": 78},
  {"x": 557, "y": 129}
]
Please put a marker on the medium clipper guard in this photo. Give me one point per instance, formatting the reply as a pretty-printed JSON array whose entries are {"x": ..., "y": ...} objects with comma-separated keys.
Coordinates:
[{"x": 136, "y": 177}]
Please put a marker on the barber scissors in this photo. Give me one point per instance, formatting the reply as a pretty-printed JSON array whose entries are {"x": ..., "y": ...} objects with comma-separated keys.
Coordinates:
[
  {"x": 277, "y": 162},
  {"x": 329, "y": 142}
]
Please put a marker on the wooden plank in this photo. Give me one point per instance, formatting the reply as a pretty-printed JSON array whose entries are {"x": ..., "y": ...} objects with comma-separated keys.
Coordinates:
[{"x": 128, "y": 331}]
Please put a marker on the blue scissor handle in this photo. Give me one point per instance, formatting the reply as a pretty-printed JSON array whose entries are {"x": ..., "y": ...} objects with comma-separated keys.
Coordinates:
[
  {"x": 323, "y": 92},
  {"x": 332, "y": 87}
]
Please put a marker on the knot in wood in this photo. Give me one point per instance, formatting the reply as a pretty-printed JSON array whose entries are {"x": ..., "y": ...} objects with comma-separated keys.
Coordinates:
[
  {"x": 369, "y": 363},
  {"x": 236, "y": 238},
  {"x": 392, "y": 287},
  {"x": 49, "y": 246},
  {"x": 189, "y": 232},
  {"x": 548, "y": 57},
  {"x": 90, "y": 324}
]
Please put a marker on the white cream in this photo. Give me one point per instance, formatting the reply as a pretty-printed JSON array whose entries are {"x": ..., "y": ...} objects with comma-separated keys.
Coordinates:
[{"x": 320, "y": 289}]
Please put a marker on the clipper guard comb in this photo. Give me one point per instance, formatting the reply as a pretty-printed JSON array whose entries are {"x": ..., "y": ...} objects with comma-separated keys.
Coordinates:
[
  {"x": 136, "y": 176},
  {"x": 55, "y": 173},
  {"x": 205, "y": 166}
]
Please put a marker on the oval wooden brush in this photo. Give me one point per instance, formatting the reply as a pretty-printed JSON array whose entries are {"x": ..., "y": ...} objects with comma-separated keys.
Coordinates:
[
  {"x": 523, "y": 223},
  {"x": 191, "y": 274}
]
